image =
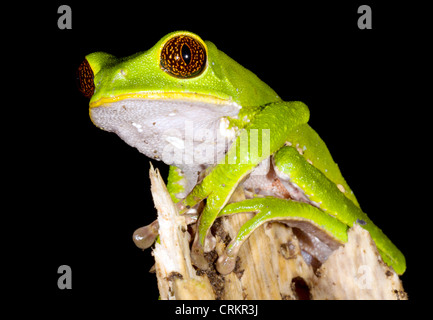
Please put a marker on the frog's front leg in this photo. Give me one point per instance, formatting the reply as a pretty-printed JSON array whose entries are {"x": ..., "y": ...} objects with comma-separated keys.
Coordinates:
[{"x": 220, "y": 183}]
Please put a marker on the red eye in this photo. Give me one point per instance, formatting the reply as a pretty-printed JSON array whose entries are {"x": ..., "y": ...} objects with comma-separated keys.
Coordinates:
[
  {"x": 183, "y": 57},
  {"x": 85, "y": 79}
]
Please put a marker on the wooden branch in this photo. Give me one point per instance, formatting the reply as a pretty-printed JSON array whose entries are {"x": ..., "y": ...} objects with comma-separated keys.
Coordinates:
[{"x": 270, "y": 264}]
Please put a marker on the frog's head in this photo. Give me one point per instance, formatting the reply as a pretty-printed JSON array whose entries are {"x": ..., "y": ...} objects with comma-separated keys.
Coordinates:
[
  {"x": 179, "y": 66},
  {"x": 151, "y": 99}
]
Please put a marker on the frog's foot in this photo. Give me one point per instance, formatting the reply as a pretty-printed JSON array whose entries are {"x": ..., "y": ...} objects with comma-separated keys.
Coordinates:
[
  {"x": 145, "y": 236},
  {"x": 328, "y": 230}
]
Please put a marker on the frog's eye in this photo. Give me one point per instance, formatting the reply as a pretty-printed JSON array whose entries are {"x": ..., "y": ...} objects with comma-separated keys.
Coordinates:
[
  {"x": 183, "y": 57},
  {"x": 85, "y": 79}
]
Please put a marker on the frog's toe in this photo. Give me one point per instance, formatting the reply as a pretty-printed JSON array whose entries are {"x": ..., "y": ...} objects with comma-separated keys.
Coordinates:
[
  {"x": 227, "y": 261},
  {"x": 145, "y": 236},
  {"x": 225, "y": 264},
  {"x": 197, "y": 255},
  {"x": 209, "y": 242}
]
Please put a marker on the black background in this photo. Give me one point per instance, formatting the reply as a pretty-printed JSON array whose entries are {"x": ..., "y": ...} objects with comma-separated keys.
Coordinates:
[{"x": 89, "y": 190}]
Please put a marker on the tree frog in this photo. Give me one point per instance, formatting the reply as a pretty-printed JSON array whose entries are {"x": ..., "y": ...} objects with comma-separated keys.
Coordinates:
[{"x": 225, "y": 133}]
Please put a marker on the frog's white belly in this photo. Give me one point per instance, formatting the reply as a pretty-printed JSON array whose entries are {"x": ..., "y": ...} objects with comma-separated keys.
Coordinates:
[{"x": 189, "y": 135}]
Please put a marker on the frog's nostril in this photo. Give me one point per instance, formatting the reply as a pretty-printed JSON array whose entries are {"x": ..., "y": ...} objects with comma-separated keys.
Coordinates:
[{"x": 85, "y": 79}]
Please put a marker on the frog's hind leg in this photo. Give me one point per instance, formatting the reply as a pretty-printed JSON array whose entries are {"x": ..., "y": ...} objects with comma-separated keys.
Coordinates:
[{"x": 296, "y": 214}]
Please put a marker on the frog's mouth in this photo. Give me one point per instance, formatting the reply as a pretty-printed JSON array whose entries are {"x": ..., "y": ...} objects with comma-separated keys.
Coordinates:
[{"x": 156, "y": 95}]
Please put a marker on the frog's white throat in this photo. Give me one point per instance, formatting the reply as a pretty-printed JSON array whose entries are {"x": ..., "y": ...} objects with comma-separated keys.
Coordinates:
[{"x": 188, "y": 134}]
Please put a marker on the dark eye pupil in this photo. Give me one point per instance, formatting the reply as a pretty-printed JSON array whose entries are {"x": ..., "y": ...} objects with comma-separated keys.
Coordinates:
[{"x": 186, "y": 54}]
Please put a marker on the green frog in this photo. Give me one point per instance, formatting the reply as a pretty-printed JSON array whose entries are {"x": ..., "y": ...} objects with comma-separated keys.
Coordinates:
[{"x": 223, "y": 131}]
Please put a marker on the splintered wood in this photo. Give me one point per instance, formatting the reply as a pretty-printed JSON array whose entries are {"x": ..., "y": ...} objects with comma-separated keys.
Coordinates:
[{"x": 270, "y": 264}]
